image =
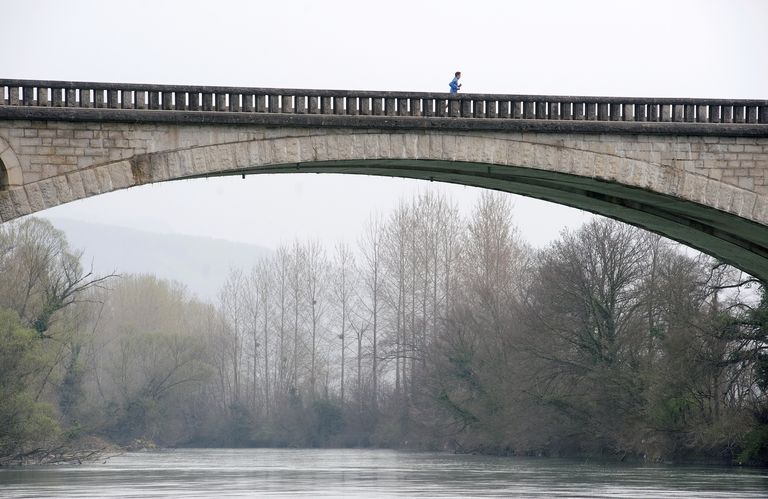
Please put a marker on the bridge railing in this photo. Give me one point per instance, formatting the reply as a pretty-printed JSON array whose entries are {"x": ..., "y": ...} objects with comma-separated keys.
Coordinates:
[{"x": 60, "y": 94}]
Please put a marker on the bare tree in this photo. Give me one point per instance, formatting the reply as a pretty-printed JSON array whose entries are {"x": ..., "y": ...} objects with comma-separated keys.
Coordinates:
[
  {"x": 371, "y": 246},
  {"x": 344, "y": 283},
  {"x": 316, "y": 282}
]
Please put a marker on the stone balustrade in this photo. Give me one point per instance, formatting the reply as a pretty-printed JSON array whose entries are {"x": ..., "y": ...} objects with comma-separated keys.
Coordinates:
[{"x": 122, "y": 96}]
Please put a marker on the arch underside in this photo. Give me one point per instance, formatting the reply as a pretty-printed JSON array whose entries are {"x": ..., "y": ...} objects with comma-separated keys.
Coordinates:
[{"x": 732, "y": 239}]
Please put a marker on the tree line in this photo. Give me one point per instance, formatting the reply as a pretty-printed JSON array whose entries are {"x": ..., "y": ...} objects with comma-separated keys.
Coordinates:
[{"x": 433, "y": 331}]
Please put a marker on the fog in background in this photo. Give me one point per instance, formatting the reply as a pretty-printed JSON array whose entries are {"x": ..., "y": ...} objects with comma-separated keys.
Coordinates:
[{"x": 643, "y": 48}]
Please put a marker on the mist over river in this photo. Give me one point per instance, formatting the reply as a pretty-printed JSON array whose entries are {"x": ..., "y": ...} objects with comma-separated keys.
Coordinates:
[{"x": 369, "y": 473}]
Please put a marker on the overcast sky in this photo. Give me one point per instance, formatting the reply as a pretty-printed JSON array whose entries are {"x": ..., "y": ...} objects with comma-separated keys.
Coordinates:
[{"x": 695, "y": 48}]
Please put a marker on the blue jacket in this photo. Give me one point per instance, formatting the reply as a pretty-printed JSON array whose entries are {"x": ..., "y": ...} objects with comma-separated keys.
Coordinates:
[{"x": 454, "y": 84}]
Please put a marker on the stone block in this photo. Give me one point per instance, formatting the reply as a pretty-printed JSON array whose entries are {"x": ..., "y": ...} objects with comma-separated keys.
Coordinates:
[
  {"x": 121, "y": 174},
  {"x": 63, "y": 192},
  {"x": 411, "y": 146},
  {"x": 75, "y": 182},
  {"x": 158, "y": 168},
  {"x": 35, "y": 197},
  {"x": 320, "y": 148},
  {"x": 371, "y": 146},
  {"x": 48, "y": 193},
  {"x": 19, "y": 200},
  {"x": 90, "y": 182},
  {"x": 397, "y": 146},
  {"x": 7, "y": 210}
]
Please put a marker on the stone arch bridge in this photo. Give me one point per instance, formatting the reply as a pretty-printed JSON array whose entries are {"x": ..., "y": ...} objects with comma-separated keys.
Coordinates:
[{"x": 694, "y": 170}]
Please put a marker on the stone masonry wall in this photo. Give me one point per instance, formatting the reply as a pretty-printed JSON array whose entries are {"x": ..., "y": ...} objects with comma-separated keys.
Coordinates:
[{"x": 62, "y": 161}]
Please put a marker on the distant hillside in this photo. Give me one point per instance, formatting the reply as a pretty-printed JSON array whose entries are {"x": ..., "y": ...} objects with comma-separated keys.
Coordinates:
[{"x": 199, "y": 262}]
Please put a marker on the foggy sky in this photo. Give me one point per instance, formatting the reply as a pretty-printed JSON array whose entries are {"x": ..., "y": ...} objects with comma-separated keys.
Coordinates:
[{"x": 648, "y": 48}]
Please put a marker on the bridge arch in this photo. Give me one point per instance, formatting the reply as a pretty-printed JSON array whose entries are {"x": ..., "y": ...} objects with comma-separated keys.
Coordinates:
[{"x": 703, "y": 212}]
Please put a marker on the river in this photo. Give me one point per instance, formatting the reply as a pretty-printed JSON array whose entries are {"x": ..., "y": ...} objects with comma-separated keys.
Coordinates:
[{"x": 369, "y": 473}]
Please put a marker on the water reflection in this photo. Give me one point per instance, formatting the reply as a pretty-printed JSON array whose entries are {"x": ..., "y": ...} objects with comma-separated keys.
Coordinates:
[{"x": 369, "y": 473}]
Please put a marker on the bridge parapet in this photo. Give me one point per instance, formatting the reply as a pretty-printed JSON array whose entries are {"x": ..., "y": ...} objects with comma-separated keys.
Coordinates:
[{"x": 27, "y": 99}]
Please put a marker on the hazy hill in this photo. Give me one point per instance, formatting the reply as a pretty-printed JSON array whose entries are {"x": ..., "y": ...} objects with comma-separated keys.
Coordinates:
[{"x": 199, "y": 262}]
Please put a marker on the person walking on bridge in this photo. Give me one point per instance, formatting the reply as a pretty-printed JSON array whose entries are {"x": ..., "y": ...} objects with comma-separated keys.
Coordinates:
[{"x": 455, "y": 85}]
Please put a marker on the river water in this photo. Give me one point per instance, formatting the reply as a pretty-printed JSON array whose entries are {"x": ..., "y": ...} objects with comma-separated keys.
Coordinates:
[{"x": 369, "y": 473}]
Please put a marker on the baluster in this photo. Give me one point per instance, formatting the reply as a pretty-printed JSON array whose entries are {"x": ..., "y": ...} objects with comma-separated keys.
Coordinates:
[
  {"x": 314, "y": 104},
  {"x": 272, "y": 103},
  {"x": 261, "y": 103},
  {"x": 738, "y": 114},
  {"x": 390, "y": 106},
  {"x": 154, "y": 99},
  {"x": 615, "y": 111},
  {"x": 141, "y": 99},
  {"x": 441, "y": 107},
  {"x": 426, "y": 107},
  {"x": 504, "y": 109},
  {"x": 58, "y": 97},
  {"x": 300, "y": 104},
  {"x": 689, "y": 113},
  {"x": 727, "y": 114},
  {"x": 42, "y": 97},
  {"x": 167, "y": 104},
  {"x": 565, "y": 110},
  {"x": 415, "y": 105},
  {"x": 653, "y": 112},
  {"x": 352, "y": 106},
  {"x": 287, "y": 104},
  {"x": 454, "y": 108},
  {"x": 234, "y": 104},
  {"x": 85, "y": 98},
  {"x": 491, "y": 110},
  {"x": 751, "y": 114},
  {"x": 517, "y": 110},
  {"x": 326, "y": 107},
  {"x": 603, "y": 111},
  {"x": 28, "y": 96},
  {"x": 701, "y": 113},
  {"x": 678, "y": 112},
  {"x": 541, "y": 110},
  {"x": 112, "y": 99},
  {"x": 207, "y": 101},
  {"x": 126, "y": 99},
  {"x": 13, "y": 96},
  {"x": 365, "y": 106},
  {"x": 194, "y": 101},
  {"x": 71, "y": 97},
  {"x": 466, "y": 108},
  {"x": 578, "y": 111},
  {"x": 377, "y": 108},
  {"x": 640, "y": 112},
  {"x": 478, "y": 108},
  {"x": 248, "y": 103},
  {"x": 221, "y": 101},
  {"x": 554, "y": 111},
  {"x": 714, "y": 113},
  {"x": 591, "y": 110}
]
